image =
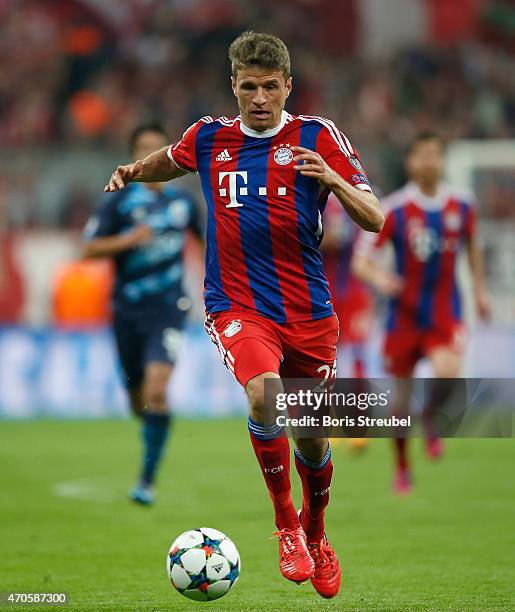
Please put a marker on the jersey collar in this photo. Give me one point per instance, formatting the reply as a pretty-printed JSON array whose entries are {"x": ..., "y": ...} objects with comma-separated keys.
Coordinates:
[
  {"x": 424, "y": 201},
  {"x": 267, "y": 133}
]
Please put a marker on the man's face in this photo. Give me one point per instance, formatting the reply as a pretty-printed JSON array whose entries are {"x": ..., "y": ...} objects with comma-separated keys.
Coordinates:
[
  {"x": 146, "y": 143},
  {"x": 425, "y": 162},
  {"x": 261, "y": 96}
]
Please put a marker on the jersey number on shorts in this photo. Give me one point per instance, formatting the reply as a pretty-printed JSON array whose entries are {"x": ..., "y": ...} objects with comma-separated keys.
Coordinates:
[
  {"x": 172, "y": 339},
  {"x": 329, "y": 375}
]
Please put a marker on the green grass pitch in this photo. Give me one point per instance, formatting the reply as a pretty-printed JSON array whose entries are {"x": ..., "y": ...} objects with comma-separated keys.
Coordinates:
[{"x": 66, "y": 524}]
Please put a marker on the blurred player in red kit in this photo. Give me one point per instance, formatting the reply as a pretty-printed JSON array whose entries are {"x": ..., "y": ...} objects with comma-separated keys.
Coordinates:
[
  {"x": 427, "y": 224},
  {"x": 265, "y": 176}
]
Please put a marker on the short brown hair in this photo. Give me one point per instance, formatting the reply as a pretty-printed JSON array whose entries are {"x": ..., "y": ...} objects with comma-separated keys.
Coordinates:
[
  {"x": 261, "y": 50},
  {"x": 423, "y": 137}
]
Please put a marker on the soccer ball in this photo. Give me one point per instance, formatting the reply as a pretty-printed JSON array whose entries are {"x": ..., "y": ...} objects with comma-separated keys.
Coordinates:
[{"x": 203, "y": 564}]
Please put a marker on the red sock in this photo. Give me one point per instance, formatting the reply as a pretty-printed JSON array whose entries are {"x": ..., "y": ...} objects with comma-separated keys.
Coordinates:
[
  {"x": 316, "y": 481},
  {"x": 358, "y": 368},
  {"x": 274, "y": 458},
  {"x": 401, "y": 452}
]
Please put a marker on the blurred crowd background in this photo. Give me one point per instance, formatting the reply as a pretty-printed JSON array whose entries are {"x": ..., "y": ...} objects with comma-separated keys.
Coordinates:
[{"x": 77, "y": 75}]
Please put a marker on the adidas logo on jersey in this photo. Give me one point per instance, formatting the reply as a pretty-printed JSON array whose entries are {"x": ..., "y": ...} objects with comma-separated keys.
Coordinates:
[{"x": 224, "y": 156}]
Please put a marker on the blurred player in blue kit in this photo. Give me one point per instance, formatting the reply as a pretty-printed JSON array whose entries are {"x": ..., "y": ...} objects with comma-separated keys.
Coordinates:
[{"x": 143, "y": 229}]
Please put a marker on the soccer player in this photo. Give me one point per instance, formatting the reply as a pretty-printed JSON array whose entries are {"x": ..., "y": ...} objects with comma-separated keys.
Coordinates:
[
  {"x": 265, "y": 177},
  {"x": 143, "y": 230},
  {"x": 427, "y": 223}
]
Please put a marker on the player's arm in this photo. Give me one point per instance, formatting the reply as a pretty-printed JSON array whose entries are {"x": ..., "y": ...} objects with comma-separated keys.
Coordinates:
[
  {"x": 104, "y": 234},
  {"x": 365, "y": 265},
  {"x": 362, "y": 206},
  {"x": 161, "y": 166},
  {"x": 477, "y": 269},
  {"x": 158, "y": 167},
  {"x": 109, "y": 246}
]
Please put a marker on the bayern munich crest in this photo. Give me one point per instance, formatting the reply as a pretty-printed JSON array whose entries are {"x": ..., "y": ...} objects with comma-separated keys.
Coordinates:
[
  {"x": 283, "y": 155},
  {"x": 233, "y": 328}
]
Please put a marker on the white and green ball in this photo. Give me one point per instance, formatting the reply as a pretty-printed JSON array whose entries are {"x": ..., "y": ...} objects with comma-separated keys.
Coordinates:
[{"x": 203, "y": 564}]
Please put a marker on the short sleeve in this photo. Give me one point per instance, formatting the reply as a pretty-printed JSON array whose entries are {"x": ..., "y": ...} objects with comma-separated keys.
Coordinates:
[
  {"x": 183, "y": 153},
  {"x": 105, "y": 220},
  {"x": 338, "y": 152}
]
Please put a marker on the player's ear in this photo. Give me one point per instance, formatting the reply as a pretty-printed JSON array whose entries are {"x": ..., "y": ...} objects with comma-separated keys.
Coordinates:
[
  {"x": 233, "y": 85},
  {"x": 289, "y": 86}
]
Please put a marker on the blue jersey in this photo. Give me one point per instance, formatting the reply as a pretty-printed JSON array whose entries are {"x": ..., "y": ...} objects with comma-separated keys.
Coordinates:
[{"x": 149, "y": 276}]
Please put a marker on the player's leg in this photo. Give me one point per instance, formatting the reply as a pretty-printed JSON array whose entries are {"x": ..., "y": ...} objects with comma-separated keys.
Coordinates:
[
  {"x": 129, "y": 345},
  {"x": 312, "y": 354},
  {"x": 446, "y": 362},
  {"x": 136, "y": 400},
  {"x": 156, "y": 419},
  {"x": 315, "y": 468},
  {"x": 251, "y": 350},
  {"x": 359, "y": 314},
  {"x": 273, "y": 453},
  {"x": 271, "y": 448},
  {"x": 402, "y": 482},
  {"x": 401, "y": 353},
  {"x": 162, "y": 342}
]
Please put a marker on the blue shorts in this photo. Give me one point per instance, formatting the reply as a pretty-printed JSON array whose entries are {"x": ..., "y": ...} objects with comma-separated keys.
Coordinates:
[{"x": 145, "y": 338}]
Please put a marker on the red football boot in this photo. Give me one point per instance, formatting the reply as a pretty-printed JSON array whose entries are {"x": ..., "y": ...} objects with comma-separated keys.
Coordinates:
[
  {"x": 434, "y": 448},
  {"x": 295, "y": 562},
  {"x": 402, "y": 482},
  {"x": 328, "y": 575}
]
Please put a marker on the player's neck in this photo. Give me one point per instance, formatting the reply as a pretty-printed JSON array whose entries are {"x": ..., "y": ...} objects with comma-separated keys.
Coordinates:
[
  {"x": 428, "y": 189},
  {"x": 271, "y": 131}
]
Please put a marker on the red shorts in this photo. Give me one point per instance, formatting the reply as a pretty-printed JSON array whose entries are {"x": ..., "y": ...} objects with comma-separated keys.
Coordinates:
[
  {"x": 404, "y": 347},
  {"x": 250, "y": 345}
]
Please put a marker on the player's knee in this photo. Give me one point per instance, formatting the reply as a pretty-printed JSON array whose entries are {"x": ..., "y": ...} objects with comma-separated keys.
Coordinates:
[
  {"x": 445, "y": 363},
  {"x": 155, "y": 385},
  {"x": 154, "y": 397},
  {"x": 137, "y": 406},
  {"x": 136, "y": 400},
  {"x": 313, "y": 449},
  {"x": 255, "y": 390},
  {"x": 256, "y": 395}
]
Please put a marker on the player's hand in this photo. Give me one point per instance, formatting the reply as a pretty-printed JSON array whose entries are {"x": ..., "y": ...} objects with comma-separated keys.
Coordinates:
[
  {"x": 138, "y": 236},
  {"x": 483, "y": 305},
  {"x": 387, "y": 284},
  {"x": 123, "y": 175},
  {"x": 310, "y": 163}
]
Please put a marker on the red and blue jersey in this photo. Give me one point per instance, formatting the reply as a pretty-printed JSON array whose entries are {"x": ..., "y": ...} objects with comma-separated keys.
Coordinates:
[
  {"x": 264, "y": 218},
  {"x": 427, "y": 235}
]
